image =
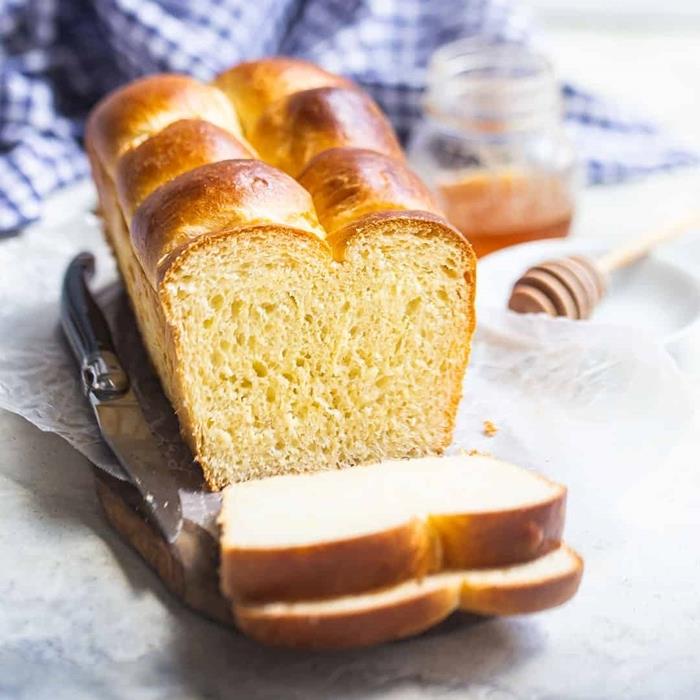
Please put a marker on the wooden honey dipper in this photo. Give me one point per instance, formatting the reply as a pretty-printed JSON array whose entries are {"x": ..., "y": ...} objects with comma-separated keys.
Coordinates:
[{"x": 573, "y": 286}]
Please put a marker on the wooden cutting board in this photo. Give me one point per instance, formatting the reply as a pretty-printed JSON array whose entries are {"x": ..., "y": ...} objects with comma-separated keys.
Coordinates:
[{"x": 189, "y": 568}]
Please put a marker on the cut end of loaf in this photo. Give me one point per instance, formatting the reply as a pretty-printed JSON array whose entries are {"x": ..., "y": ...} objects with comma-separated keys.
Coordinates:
[{"x": 292, "y": 362}]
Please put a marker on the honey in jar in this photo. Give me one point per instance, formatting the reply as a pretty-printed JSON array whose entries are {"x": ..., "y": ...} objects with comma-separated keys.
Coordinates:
[
  {"x": 492, "y": 144},
  {"x": 502, "y": 208}
]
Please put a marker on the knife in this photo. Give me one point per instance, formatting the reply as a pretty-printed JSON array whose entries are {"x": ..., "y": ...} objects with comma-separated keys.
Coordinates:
[{"x": 107, "y": 387}]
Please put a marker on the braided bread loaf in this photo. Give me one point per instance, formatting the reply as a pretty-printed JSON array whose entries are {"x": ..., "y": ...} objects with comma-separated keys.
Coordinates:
[{"x": 296, "y": 324}]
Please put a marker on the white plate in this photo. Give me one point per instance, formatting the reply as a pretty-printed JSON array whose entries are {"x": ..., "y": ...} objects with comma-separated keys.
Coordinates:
[{"x": 658, "y": 294}]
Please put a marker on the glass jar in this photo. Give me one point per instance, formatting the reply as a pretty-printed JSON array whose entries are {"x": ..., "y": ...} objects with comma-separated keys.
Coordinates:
[{"x": 492, "y": 144}]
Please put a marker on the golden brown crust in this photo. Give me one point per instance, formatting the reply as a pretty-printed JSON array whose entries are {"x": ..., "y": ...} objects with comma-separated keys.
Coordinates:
[
  {"x": 522, "y": 597},
  {"x": 329, "y": 569},
  {"x": 349, "y": 183},
  {"x": 348, "y": 629},
  {"x": 501, "y": 538},
  {"x": 212, "y": 198},
  {"x": 360, "y": 564},
  {"x": 147, "y": 304},
  {"x": 421, "y": 223},
  {"x": 294, "y": 130},
  {"x": 180, "y": 147},
  {"x": 128, "y": 116},
  {"x": 254, "y": 85},
  {"x": 392, "y": 613}
]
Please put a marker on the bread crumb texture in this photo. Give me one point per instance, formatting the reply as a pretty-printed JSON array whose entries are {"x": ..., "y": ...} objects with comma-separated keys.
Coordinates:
[
  {"x": 490, "y": 428},
  {"x": 294, "y": 363}
]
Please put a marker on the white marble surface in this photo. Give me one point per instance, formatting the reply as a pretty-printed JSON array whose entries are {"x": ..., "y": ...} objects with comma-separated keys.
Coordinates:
[{"x": 81, "y": 617}]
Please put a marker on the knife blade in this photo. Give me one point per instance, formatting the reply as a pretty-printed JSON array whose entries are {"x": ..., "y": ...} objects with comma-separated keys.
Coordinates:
[{"x": 116, "y": 406}]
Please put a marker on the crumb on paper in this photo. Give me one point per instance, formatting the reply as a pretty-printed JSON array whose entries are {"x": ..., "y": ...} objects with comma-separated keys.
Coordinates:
[
  {"x": 473, "y": 452},
  {"x": 490, "y": 428},
  {"x": 478, "y": 453}
]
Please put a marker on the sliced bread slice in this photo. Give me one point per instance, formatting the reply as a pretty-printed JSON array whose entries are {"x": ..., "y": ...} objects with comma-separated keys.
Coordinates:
[
  {"x": 335, "y": 533},
  {"x": 413, "y": 607}
]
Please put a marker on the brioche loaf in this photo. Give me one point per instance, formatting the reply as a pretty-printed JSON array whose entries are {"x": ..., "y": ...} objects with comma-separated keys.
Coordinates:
[
  {"x": 334, "y": 533},
  {"x": 295, "y": 325},
  {"x": 414, "y": 606}
]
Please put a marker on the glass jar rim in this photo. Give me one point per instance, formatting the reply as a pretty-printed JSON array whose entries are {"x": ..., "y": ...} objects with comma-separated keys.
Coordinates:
[
  {"x": 474, "y": 82},
  {"x": 470, "y": 48}
]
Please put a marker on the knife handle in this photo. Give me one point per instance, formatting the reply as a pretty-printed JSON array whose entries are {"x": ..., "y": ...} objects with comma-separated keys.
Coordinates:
[{"x": 86, "y": 329}]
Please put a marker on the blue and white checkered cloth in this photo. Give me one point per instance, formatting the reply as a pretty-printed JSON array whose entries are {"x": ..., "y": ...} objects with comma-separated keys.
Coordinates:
[{"x": 57, "y": 57}]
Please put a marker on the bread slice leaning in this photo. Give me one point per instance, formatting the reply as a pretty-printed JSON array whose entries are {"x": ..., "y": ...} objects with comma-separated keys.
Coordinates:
[
  {"x": 334, "y": 533},
  {"x": 414, "y": 606}
]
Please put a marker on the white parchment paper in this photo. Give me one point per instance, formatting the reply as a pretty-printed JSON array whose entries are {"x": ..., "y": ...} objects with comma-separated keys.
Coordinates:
[{"x": 582, "y": 402}]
